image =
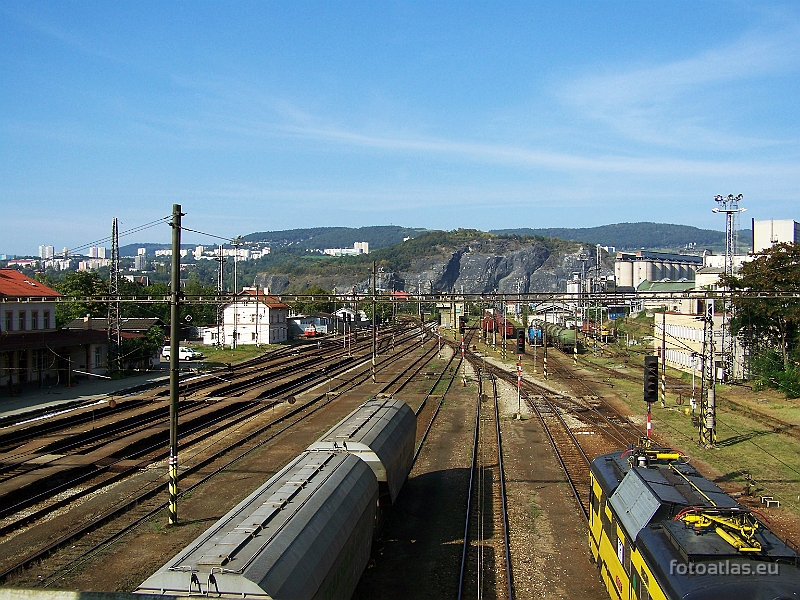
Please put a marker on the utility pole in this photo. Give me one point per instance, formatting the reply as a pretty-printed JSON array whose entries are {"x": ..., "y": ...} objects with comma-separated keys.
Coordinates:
[
  {"x": 174, "y": 335},
  {"x": 114, "y": 316},
  {"x": 664, "y": 357},
  {"x": 505, "y": 326},
  {"x": 114, "y": 309},
  {"x": 234, "y": 341},
  {"x": 708, "y": 430},
  {"x": 221, "y": 305},
  {"x": 544, "y": 343},
  {"x": 374, "y": 323}
]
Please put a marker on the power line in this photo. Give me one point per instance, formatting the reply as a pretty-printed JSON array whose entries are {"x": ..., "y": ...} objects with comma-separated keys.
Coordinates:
[{"x": 122, "y": 233}]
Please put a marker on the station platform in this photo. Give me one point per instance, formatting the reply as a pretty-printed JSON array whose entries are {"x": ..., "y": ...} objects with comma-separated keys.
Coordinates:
[{"x": 31, "y": 398}]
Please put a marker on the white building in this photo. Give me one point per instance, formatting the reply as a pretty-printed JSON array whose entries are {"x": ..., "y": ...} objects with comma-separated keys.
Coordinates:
[
  {"x": 46, "y": 252},
  {"x": 255, "y": 318},
  {"x": 93, "y": 264},
  {"x": 682, "y": 339},
  {"x": 358, "y": 248},
  {"x": 768, "y": 233},
  {"x": 140, "y": 261}
]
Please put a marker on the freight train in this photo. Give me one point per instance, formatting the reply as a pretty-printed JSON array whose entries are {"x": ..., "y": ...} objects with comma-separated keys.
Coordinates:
[
  {"x": 308, "y": 531},
  {"x": 658, "y": 529},
  {"x": 558, "y": 336},
  {"x": 493, "y": 321}
]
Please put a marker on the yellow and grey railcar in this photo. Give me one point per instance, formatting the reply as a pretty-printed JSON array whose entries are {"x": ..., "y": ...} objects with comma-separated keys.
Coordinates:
[{"x": 658, "y": 529}]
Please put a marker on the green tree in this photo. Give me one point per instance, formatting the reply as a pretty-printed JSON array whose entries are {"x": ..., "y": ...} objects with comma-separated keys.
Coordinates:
[
  {"x": 141, "y": 349},
  {"x": 316, "y": 301},
  {"x": 772, "y": 320},
  {"x": 80, "y": 285},
  {"x": 770, "y": 326}
]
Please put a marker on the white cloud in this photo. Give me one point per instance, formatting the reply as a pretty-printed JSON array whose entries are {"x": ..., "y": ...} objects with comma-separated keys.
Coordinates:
[{"x": 668, "y": 104}]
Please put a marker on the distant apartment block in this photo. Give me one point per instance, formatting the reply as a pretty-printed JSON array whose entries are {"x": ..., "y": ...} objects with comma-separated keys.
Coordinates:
[
  {"x": 358, "y": 248},
  {"x": 46, "y": 252},
  {"x": 93, "y": 264},
  {"x": 97, "y": 252},
  {"x": 26, "y": 263},
  {"x": 768, "y": 233},
  {"x": 140, "y": 262}
]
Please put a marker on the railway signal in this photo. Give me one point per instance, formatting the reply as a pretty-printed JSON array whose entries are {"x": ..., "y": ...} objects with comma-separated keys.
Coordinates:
[
  {"x": 650, "y": 386},
  {"x": 520, "y": 341},
  {"x": 650, "y": 378}
]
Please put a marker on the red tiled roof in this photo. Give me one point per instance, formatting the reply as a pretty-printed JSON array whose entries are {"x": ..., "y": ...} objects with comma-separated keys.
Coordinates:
[
  {"x": 270, "y": 301},
  {"x": 14, "y": 284}
]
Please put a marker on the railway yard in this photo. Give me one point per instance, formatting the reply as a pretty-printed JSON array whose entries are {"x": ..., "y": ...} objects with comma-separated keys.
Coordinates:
[{"x": 496, "y": 503}]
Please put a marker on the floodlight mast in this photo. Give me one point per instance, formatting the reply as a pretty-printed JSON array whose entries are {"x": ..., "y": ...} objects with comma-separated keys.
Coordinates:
[{"x": 729, "y": 206}]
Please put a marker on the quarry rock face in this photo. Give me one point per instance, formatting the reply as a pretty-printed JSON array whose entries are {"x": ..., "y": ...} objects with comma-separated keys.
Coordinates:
[
  {"x": 502, "y": 266},
  {"x": 271, "y": 284},
  {"x": 499, "y": 265}
]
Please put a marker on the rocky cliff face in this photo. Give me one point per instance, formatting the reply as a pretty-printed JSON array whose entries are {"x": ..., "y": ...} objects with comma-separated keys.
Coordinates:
[{"x": 502, "y": 265}]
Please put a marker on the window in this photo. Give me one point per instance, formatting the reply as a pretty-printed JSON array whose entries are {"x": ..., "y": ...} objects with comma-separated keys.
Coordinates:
[
  {"x": 46, "y": 319},
  {"x": 98, "y": 357},
  {"x": 9, "y": 320},
  {"x": 40, "y": 360},
  {"x": 253, "y": 336},
  {"x": 34, "y": 319},
  {"x": 21, "y": 320}
]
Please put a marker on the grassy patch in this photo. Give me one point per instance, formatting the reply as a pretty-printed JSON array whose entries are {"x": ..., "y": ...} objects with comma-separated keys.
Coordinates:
[
  {"x": 747, "y": 451},
  {"x": 534, "y": 510},
  {"x": 226, "y": 355}
]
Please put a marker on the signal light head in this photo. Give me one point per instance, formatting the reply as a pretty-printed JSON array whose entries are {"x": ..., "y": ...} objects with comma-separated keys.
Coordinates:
[{"x": 650, "y": 378}]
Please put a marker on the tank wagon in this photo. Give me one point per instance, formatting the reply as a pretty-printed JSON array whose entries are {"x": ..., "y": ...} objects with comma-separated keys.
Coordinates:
[
  {"x": 659, "y": 529},
  {"x": 381, "y": 432},
  {"x": 559, "y": 336},
  {"x": 306, "y": 533}
]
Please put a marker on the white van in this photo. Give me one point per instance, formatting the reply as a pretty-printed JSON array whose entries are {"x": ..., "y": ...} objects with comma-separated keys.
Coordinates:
[{"x": 184, "y": 353}]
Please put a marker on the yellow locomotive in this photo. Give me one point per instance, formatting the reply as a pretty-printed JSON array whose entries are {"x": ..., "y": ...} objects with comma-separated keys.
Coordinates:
[{"x": 658, "y": 529}]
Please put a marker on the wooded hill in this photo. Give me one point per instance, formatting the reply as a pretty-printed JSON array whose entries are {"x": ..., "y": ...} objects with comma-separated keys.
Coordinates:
[
  {"x": 319, "y": 238},
  {"x": 638, "y": 236}
]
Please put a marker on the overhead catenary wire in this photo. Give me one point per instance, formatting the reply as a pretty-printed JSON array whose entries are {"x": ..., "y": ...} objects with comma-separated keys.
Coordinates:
[{"x": 133, "y": 230}]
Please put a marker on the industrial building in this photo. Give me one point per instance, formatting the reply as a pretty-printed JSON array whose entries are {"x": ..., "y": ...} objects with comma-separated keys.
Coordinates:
[
  {"x": 631, "y": 269},
  {"x": 768, "y": 233}
]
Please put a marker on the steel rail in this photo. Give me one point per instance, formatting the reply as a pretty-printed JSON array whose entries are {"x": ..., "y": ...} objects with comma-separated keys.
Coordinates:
[
  {"x": 503, "y": 497},
  {"x": 159, "y": 488},
  {"x": 453, "y": 376},
  {"x": 560, "y": 459},
  {"x": 465, "y": 547},
  {"x": 363, "y": 377}
]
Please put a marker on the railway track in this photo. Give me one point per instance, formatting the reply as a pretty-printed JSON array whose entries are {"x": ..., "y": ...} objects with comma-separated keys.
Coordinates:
[
  {"x": 38, "y": 468},
  {"x": 578, "y": 428},
  {"x": 486, "y": 555},
  {"x": 724, "y": 403},
  {"x": 144, "y": 503}
]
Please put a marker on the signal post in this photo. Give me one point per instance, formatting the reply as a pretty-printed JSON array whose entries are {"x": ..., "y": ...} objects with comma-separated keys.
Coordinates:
[
  {"x": 520, "y": 352},
  {"x": 650, "y": 386}
]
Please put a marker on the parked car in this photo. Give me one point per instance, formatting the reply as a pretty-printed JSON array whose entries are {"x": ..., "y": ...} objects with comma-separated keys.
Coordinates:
[{"x": 184, "y": 353}]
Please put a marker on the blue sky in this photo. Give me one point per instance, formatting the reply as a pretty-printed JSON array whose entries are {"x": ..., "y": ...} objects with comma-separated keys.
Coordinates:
[{"x": 276, "y": 115}]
